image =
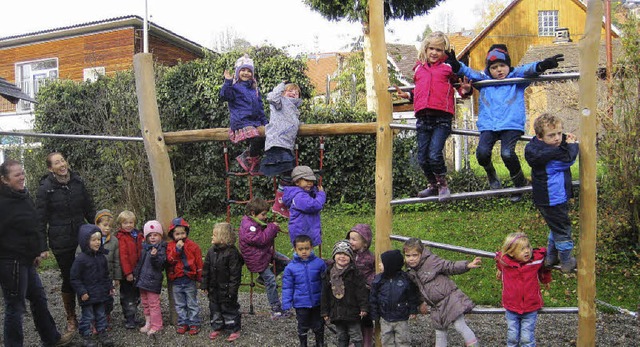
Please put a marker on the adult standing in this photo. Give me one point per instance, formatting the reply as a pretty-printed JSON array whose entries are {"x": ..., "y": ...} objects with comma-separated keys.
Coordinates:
[
  {"x": 63, "y": 205},
  {"x": 22, "y": 246}
]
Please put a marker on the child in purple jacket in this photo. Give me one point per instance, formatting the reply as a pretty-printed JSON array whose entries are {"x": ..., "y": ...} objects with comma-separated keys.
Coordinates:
[
  {"x": 359, "y": 238},
  {"x": 305, "y": 201}
]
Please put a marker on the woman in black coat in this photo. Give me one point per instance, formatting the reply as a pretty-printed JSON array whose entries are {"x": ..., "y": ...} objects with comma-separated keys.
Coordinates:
[
  {"x": 22, "y": 246},
  {"x": 63, "y": 205}
]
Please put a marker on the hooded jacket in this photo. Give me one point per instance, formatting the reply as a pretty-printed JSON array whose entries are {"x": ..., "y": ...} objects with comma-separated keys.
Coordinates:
[
  {"x": 149, "y": 272},
  {"x": 186, "y": 261},
  {"x": 256, "y": 243},
  {"x": 245, "y": 104},
  {"x": 521, "y": 281},
  {"x": 222, "y": 273},
  {"x": 283, "y": 121},
  {"x": 302, "y": 282},
  {"x": 130, "y": 250},
  {"x": 304, "y": 208},
  {"x": 364, "y": 259},
  {"x": 90, "y": 271},
  {"x": 112, "y": 246},
  {"x": 22, "y": 239},
  {"x": 447, "y": 301},
  {"x": 62, "y": 209}
]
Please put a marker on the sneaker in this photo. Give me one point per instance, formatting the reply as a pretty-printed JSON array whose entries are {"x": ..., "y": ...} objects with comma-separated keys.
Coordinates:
[
  {"x": 194, "y": 330},
  {"x": 88, "y": 341},
  {"x": 214, "y": 334},
  {"x": 280, "y": 315},
  {"x": 152, "y": 332},
  {"x": 233, "y": 336},
  {"x": 130, "y": 325},
  {"x": 182, "y": 329}
]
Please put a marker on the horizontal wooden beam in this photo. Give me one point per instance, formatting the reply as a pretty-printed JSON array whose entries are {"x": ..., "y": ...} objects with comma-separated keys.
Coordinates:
[{"x": 222, "y": 134}]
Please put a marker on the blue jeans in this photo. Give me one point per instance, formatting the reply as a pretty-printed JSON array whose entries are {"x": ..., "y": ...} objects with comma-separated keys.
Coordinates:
[
  {"x": 508, "y": 140},
  {"x": 433, "y": 132},
  {"x": 20, "y": 282},
  {"x": 186, "y": 300},
  {"x": 269, "y": 278},
  {"x": 93, "y": 313},
  {"x": 521, "y": 329}
]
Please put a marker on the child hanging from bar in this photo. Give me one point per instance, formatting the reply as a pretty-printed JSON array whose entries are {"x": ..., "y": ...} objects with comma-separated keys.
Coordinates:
[
  {"x": 242, "y": 95},
  {"x": 502, "y": 110}
]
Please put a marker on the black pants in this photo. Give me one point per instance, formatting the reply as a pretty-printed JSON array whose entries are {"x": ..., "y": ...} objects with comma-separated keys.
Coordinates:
[
  {"x": 65, "y": 261},
  {"x": 256, "y": 146},
  {"x": 129, "y": 298},
  {"x": 309, "y": 318}
]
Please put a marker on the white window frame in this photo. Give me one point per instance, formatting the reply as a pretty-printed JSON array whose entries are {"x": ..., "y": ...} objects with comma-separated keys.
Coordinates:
[
  {"x": 547, "y": 22},
  {"x": 30, "y": 84},
  {"x": 93, "y": 73}
]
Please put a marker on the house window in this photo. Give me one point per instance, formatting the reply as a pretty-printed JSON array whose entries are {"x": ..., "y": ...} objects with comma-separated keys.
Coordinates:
[
  {"x": 547, "y": 22},
  {"x": 30, "y": 76},
  {"x": 91, "y": 74}
]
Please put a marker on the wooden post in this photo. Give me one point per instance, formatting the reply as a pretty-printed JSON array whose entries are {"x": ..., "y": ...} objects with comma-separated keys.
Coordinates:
[
  {"x": 589, "y": 46},
  {"x": 160, "y": 165},
  {"x": 384, "y": 138}
]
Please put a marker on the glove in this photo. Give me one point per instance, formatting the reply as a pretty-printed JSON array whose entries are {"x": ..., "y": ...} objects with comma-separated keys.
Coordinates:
[
  {"x": 452, "y": 61},
  {"x": 550, "y": 63}
]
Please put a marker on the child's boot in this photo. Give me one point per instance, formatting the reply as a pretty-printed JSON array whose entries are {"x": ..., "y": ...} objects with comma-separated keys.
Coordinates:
[
  {"x": 443, "y": 189},
  {"x": 88, "y": 341},
  {"x": 319, "y": 337},
  {"x": 494, "y": 181},
  {"x": 518, "y": 181},
  {"x": 147, "y": 325},
  {"x": 551, "y": 258},
  {"x": 432, "y": 188},
  {"x": 105, "y": 339},
  {"x": 303, "y": 340},
  {"x": 254, "y": 165},
  {"x": 243, "y": 160},
  {"x": 567, "y": 261},
  {"x": 130, "y": 309},
  {"x": 278, "y": 206}
]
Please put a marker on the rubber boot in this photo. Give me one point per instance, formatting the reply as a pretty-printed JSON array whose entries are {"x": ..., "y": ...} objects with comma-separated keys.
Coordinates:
[
  {"x": 303, "y": 340},
  {"x": 278, "y": 206},
  {"x": 69, "y": 301},
  {"x": 319, "y": 337},
  {"x": 242, "y": 160},
  {"x": 567, "y": 261},
  {"x": 443, "y": 190},
  {"x": 88, "y": 341},
  {"x": 551, "y": 259},
  {"x": 254, "y": 165},
  {"x": 432, "y": 190},
  {"x": 147, "y": 325},
  {"x": 494, "y": 181},
  {"x": 518, "y": 181},
  {"x": 130, "y": 315},
  {"x": 105, "y": 339}
]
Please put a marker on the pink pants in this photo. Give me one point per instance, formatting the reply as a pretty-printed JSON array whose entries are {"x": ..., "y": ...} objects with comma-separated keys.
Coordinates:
[{"x": 151, "y": 306}]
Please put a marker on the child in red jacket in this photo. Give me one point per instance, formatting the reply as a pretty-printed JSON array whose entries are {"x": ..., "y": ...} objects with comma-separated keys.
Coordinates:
[
  {"x": 185, "y": 271},
  {"x": 521, "y": 269},
  {"x": 130, "y": 242}
]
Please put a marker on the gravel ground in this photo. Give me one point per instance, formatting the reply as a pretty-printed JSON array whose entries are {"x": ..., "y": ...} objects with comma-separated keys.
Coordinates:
[{"x": 259, "y": 330}]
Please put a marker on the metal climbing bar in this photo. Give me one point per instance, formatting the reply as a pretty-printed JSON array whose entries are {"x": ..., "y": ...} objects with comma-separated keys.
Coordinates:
[
  {"x": 453, "y": 131},
  {"x": 74, "y": 137},
  {"x": 547, "y": 310},
  {"x": 447, "y": 247}
]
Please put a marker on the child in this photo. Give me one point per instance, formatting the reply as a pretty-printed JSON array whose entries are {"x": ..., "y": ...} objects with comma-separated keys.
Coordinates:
[
  {"x": 550, "y": 155},
  {"x": 221, "y": 277},
  {"x": 149, "y": 276},
  {"x": 247, "y": 113},
  {"x": 280, "y": 135},
  {"x": 394, "y": 298},
  {"x": 302, "y": 289},
  {"x": 130, "y": 243},
  {"x": 91, "y": 282},
  {"x": 502, "y": 111},
  {"x": 448, "y": 303},
  {"x": 305, "y": 201},
  {"x": 257, "y": 247},
  {"x": 434, "y": 106},
  {"x": 345, "y": 299},
  {"x": 185, "y": 272},
  {"x": 360, "y": 239},
  {"x": 520, "y": 269}
]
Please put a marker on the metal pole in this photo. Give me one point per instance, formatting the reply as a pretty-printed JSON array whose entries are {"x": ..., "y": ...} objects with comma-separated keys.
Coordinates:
[
  {"x": 74, "y": 137},
  {"x": 145, "y": 31},
  {"x": 453, "y": 131},
  {"x": 447, "y": 247},
  {"x": 546, "y": 310},
  {"x": 484, "y": 83}
]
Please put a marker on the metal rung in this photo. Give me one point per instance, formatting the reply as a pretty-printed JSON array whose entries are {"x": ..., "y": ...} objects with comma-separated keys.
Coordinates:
[
  {"x": 545, "y": 310},
  {"x": 493, "y": 82},
  {"x": 466, "y": 195},
  {"x": 453, "y": 131}
]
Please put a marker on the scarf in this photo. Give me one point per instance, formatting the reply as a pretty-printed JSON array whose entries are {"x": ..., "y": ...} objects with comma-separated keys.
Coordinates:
[
  {"x": 63, "y": 179},
  {"x": 337, "y": 282}
]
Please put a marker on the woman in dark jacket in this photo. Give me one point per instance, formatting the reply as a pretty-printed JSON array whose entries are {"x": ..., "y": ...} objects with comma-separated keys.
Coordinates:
[
  {"x": 22, "y": 246},
  {"x": 63, "y": 205}
]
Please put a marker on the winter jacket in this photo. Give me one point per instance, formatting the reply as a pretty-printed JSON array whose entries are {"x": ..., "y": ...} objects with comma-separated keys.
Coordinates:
[
  {"x": 364, "y": 259},
  {"x": 256, "y": 243},
  {"x": 521, "y": 281},
  {"x": 90, "y": 270},
  {"x": 393, "y": 298},
  {"x": 304, "y": 209},
  {"x": 551, "y": 170},
  {"x": 222, "y": 273},
  {"x": 245, "y": 104},
  {"x": 433, "y": 87},
  {"x": 302, "y": 282},
  {"x": 283, "y": 121},
  {"x": 62, "y": 209},
  {"x": 21, "y": 238},
  {"x": 111, "y": 244},
  {"x": 447, "y": 301},
  {"x": 354, "y": 301},
  {"x": 190, "y": 254},
  {"x": 501, "y": 107},
  {"x": 148, "y": 273},
  {"x": 130, "y": 250}
]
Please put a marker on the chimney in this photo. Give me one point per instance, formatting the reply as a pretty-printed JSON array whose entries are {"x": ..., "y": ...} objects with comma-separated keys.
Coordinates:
[{"x": 562, "y": 35}]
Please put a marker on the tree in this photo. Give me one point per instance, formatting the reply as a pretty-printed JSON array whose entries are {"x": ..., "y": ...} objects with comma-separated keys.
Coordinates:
[
  {"x": 229, "y": 40},
  {"x": 356, "y": 10},
  {"x": 487, "y": 11},
  {"x": 427, "y": 31}
]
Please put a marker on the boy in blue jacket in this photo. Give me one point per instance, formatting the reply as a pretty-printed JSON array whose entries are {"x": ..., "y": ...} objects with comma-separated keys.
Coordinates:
[
  {"x": 502, "y": 113},
  {"x": 90, "y": 280},
  {"x": 393, "y": 300},
  {"x": 302, "y": 290},
  {"x": 550, "y": 155}
]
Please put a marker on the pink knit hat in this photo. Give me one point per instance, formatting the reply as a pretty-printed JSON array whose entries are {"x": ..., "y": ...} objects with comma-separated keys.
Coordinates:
[{"x": 152, "y": 226}]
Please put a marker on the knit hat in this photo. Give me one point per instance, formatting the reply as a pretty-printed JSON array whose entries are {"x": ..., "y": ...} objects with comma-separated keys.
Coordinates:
[
  {"x": 498, "y": 53},
  {"x": 392, "y": 261},
  {"x": 178, "y": 222},
  {"x": 102, "y": 213},
  {"x": 244, "y": 62},
  {"x": 304, "y": 172},
  {"x": 342, "y": 246},
  {"x": 152, "y": 226}
]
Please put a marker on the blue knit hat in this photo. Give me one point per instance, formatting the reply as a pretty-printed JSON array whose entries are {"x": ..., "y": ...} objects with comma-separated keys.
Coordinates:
[{"x": 497, "y": 53}]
